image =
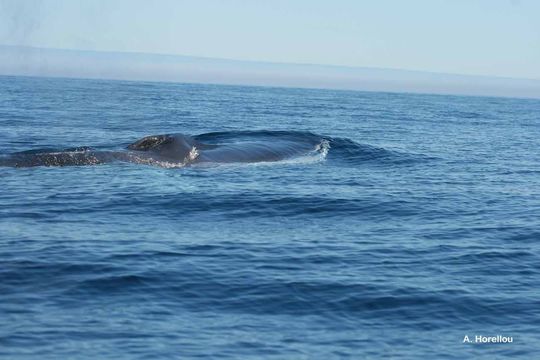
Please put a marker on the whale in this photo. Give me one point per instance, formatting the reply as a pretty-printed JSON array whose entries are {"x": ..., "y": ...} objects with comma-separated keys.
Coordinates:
[{"x": 178, "y": 150}]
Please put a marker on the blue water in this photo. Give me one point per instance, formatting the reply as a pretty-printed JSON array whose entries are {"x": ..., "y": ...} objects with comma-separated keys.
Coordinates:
[{"x": 419, "y": 226}]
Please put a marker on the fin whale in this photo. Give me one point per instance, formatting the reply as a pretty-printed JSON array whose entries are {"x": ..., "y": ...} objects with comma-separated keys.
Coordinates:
[{"x": 182, "y": 150}]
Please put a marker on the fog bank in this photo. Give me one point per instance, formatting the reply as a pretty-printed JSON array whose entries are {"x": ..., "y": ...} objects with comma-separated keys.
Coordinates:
[{"x": 30, "y": 61}]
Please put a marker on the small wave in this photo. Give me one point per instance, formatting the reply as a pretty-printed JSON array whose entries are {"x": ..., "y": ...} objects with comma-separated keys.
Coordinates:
[
  {"x": 317, "y": 155},
  {"x": 352, "y": 153},
  {"x": 328, "y": 148}
]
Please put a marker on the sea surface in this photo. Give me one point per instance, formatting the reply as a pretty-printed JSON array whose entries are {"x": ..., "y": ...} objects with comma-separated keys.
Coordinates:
[{"x": 419, "y": 225}]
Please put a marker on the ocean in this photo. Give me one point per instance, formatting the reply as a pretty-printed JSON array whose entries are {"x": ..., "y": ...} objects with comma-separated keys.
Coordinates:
[{"x": 415, "y": 226}]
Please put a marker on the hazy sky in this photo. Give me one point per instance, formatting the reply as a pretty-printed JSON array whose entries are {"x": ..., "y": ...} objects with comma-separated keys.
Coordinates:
[{"x": 489, "y": 37}]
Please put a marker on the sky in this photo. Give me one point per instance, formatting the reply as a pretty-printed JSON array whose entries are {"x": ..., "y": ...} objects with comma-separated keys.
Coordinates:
[
  {"x": 482, "y": 37},
  {"x": 493, "y": 38}
]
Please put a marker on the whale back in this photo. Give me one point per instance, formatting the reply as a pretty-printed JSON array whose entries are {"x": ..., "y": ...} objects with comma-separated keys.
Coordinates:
[
  {"x": 170, "y": 146},
  {"x": 177, "y": 150}
]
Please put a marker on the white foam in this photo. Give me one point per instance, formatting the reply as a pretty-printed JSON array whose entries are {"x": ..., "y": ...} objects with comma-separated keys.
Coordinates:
[{"x": 318, "y": 154}]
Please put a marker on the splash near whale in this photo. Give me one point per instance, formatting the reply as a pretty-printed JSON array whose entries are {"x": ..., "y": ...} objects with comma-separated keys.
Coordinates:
[{"x": 178, "y": 150}]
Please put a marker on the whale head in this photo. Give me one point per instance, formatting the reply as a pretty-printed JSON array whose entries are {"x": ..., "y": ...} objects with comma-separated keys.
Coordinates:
[{"x": 177, "y": 146}]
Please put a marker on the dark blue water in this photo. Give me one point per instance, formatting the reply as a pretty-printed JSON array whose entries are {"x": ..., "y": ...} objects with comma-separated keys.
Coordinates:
[{"x": 420, "y": 225}]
